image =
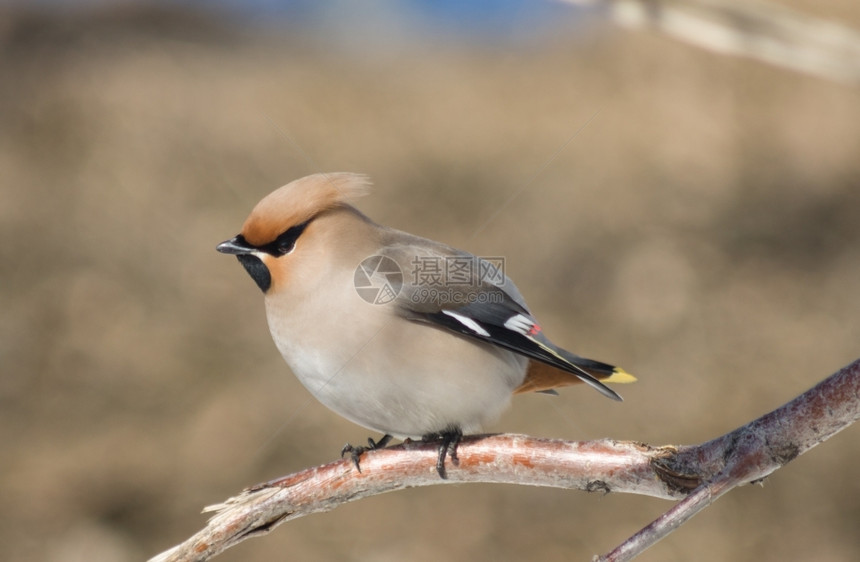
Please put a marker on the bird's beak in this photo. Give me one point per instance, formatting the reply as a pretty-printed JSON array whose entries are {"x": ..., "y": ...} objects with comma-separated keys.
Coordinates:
[{"x": 236, "y": 245}]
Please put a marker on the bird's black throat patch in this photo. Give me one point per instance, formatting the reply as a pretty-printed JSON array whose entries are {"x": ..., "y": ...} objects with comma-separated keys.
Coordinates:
[{"x": 257, "y": 270}]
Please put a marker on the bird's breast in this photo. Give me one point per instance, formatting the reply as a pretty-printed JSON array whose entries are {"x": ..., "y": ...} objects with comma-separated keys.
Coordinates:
[{"x": 390, "y": 374}]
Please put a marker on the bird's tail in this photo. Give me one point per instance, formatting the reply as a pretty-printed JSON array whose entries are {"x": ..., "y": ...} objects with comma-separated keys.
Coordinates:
[
  {"x": 603, "y": 372},
  {"x": 542, "y": 377}
]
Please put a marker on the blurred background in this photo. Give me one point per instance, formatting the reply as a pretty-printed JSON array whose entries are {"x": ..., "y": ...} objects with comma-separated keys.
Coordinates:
[{"x": 689, "y": 216}]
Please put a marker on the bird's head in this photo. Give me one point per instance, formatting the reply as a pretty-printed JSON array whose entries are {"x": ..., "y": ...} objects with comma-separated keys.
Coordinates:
[{"x": 281, "y": 227}]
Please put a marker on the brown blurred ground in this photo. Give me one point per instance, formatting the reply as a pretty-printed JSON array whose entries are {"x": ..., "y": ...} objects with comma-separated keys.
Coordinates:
[{"x": 702, "y": 232}]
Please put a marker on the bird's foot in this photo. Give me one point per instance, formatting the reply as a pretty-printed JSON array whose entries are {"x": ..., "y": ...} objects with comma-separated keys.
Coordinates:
[
  {"x": 448, "y": 442},
  {"x": 356, "y": 452}
]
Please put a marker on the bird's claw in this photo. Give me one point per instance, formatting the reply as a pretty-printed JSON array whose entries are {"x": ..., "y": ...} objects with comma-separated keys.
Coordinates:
[
  {"x": 448, "y": 442},
  {"x": 356, "y": 452}
]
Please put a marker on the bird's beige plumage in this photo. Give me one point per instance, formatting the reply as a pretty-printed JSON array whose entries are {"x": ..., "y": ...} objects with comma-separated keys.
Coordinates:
[{"x": 435, "y": 358}]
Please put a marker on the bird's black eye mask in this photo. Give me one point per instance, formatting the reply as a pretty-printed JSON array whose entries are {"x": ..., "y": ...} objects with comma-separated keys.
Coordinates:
[
  {"x": 280, "y": 246},
  {"x": 284, "y": 244}
]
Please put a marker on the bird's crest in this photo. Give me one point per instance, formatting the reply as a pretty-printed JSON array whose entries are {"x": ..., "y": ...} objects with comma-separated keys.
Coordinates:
[{"x": 299, "y": 201}]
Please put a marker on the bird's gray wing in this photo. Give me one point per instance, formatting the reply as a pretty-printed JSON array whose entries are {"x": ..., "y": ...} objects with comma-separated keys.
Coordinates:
[{"x": 478, "y": 301}]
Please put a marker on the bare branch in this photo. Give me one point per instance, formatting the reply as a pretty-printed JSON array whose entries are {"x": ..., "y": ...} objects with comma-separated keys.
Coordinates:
[
  {"x": 760, "y": 30},
  {"x": 700, "y": 473},
  {"x": 752, "y": 452},
  {"x": 600, "y": 466}
]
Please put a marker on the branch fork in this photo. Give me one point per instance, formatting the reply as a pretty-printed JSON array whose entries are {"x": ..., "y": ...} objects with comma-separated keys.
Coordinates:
[{"x": 695, "y": 474}]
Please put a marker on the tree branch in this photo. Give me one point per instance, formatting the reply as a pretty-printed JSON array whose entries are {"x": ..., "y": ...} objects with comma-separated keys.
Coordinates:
[
  {"x": 752, "y": 452},
  {"x": 698, "y": 473},
  {"x": 764, "y": 31}
]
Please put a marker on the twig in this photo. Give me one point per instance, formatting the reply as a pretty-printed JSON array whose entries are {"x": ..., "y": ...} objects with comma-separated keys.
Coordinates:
[
  {"x": 698, "y": 473},
  {"x": 759, "y": 30},
  {"x": 752, "y": 452}
]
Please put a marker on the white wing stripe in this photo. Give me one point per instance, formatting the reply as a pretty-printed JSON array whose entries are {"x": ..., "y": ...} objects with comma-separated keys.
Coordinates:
[
  {"x": 468, "y": 322},
  {"x": 520, "y": 324}
]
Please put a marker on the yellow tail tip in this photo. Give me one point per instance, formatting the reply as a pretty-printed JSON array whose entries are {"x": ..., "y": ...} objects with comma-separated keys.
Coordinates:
[{"x": 620, "y": 376}]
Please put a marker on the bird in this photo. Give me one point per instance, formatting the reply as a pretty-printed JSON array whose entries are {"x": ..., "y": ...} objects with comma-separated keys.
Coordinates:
[{"x": 400, "y": 334}]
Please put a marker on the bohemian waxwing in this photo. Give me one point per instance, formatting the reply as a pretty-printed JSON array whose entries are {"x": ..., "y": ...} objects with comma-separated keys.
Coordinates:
[{"x": 397, "y": 333}]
